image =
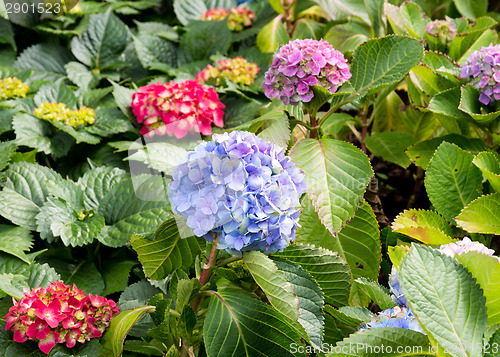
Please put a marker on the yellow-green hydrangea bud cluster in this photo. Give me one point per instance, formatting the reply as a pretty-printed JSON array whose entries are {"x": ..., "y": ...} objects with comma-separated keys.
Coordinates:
[
  {"x": 59, "y": 112},
  {"x": 12, "y": 87},
  {"x": 237, "y": 70}
]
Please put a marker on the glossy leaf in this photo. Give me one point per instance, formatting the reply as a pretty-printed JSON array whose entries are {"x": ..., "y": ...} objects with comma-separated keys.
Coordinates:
[{"x": 481, "y": 215}]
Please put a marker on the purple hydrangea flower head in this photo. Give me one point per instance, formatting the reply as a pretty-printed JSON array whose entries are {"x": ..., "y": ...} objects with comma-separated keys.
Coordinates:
[
  {"x": 483, "y": 69},
  {"x": 441, "y": 28},
  {"x": 464, "y": 246},
  {"x": 301, "y": 64},
  {"x": 395, "y": 287},
  {"x": 398, "y": 317},
  {"x": 241, "y": 188}
]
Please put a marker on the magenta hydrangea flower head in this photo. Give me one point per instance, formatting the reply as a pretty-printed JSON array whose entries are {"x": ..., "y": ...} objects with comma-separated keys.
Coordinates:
[
  {"x": 464, "y": 246},
  {"x": 301, "y": 64},
  {"x": 59, "y": 314},
  {"x": 483, "y": 70},
  {"x": 242, "y": 189}
]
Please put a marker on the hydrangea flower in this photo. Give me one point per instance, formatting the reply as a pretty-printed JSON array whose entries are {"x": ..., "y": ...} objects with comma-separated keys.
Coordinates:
[
  {"x": 177, "y": 108},
  {"x": 482, "y": 68},
  {"x": 242, "y": 189},
  {"x": 301, "y": 64},
  {"x": 59, "y": 112},
  {"x": 398, "y": 317},
  {"x": 237, "y": 19},
  {"x": 464, "y": 246},
  {"x": 395, "y": 287},
  {"x": 59, "y": 314},
  {"x": 237, "y": 70},
  {"x": 441, "y": 28},
  {"x": 12, "y": 87}
]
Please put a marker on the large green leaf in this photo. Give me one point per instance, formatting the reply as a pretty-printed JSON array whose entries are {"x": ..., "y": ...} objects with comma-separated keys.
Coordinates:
[
  {"x": 397, "y": 342},
  {"x": 414, "y": 19},
  {"x": 98, "y": 182},
  {"x": 338, "y": 9},
  {"x": 330, "y": 271},
  {"x": 336, "y": 176},
  {"x": 383, "y": 61},
  {"x": 15, "y": 241},
  {"x": 346, "y": 37},
  {"x": 272, "y": 35},
  {"x": 446, "y": 103},
  {"x": 379, "y": 294},
  {"x": 166, "y": 252},
  {"x": 238, "y": 325},
  {"x": 18, "y": 209},
  {"x": 7, "y": 149},
  {"x": 486, "y": 270},
  {"x": 391, "y": 146},
  {"x": 489, "y": 164},
  {"x": 84, "y": 274},
  {"x": 446, "y": 300},
  {"x": 102, "y": 42},
  {"x": 428, "y": 227},
  {"x": 452, "y": 180},
  {"x": 115, "y": 273},
  {"x": 55, "y": 93},
  {"x": 150, "y": 49},
  {"x": 481, "y": 215},
  {"x": 44, "y": 57},
  {"x": 310, "y": 299},
  {"x": 472, "y": 9},
  {"x": 273, "y": 282},
  {"x": 470, "y": 104}
]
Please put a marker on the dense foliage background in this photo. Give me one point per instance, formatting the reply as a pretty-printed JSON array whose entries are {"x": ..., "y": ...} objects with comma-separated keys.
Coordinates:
[{"x": 403, "y": 154}]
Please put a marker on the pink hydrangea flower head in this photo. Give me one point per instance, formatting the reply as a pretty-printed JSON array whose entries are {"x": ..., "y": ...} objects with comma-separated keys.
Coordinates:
[
  {"x": 237, "y": 70},
  {"x": 177, "y": 108},
  {"x": 301, "y": 64},
  {"x": 441, "y": 28},
  {"x": 59, "y": 314},
  {"x": 464, "y": 246},
  {"x": 237, "y": 19},
  {"x": 482, "y": 68}
]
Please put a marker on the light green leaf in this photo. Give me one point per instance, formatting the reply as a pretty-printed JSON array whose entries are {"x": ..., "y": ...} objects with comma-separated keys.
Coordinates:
[
  {"x": 383, "y": 61},
  {"x": 428, "y": 227},
  {"x": 379, "y": 294},
  {"x": 109, "y": 121},
  {"x": 272, "y": 36},
  {"x": 98, "y": 182},
  {"x": 166, "y": 252},
  {"x": 15, "y": 241},
  {"x": 123, "y": 97},
  {"x": 414, "y": 19},
  {"x": 275, "y": 128},
  {"x": 157, "y": 28},
  {"x": 150, "y": 48},
  {"x": 446, "y": 103},
  {"x": 489, "y": 164},
  {"x": 448, "y": 303},
  {"x": 338, "y": 9},
  {"x": 391, "y": 146},
  {"x": 189, "y": 10},
  {"x": 375, "y": 9},
  {"x": 307, "y": 28},
  {"x": 330, "y": 271},
  {"x": 486, "y": 270},
  {"x": 470, "y": 104},
  {"x": 239, "y": 325},
  {"x": 55, "y": 93},
  {"x": 7, "y": 150},
  {"x": 161, "y": 156},
  {"x": 346, "y": 37},
  {"x": 462, "y": 46},
  {"x": 12, "y": 284},
  {"x": 336, "y": 176},
  {"x": 114, "y": 338},
  {"x": 18, "y": 209},
  {"x": 428, "y": 81},
  {"x": 310, "y": 297},
  {"x": 472, "y": 9},
  {"x": 350, "y": 315},
  {"x": 481, "y": 215},
  {"x": 273, "y": 282},
  {"x": 81, "y": 75},
  {"x": 452, "y": 181}
]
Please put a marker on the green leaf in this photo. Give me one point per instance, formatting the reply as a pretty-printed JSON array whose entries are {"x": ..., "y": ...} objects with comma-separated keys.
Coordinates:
[
  {"x": 98, "y": 182},
  {"x": 273, "y": 282},
  {"x": 428, "y": 81},
  {"x": 462, "y": 46},
  {"x": 84, "y": 275},
  {"x": 18, "y": 209},
  {"x": 157, "y": 28},
  {"x": 391, "y": 146},
  {"x": 472, "y": 9},
  {"x": 469, "y": 103},
  {"x": 446, "y": 300},
  {"x": 272, "y": 36},
  {"x": 481, "y": 215},
  {"x": 489, "y": 164},
  {"x": 109, "y": 121},
  {"x": 349, "y": 315},
  {"x": 379, "y": 294},
  {"x": 12, "y": 284},
  {"x": 336, "y": 176},
  {"x": 310, "y": 297},
  {"x": 7, "y": 150},
  {"x": 414, "y": 19},
  {"x": 161, "y": 156},
  {"x": 275, "y": 128},
  {"x": 358, "y": 242},
  {"x": 307, "y": 28},
  {"x": 189, "y": 10},
  {"x": 239, "y": 325},
  {"x": 363, "y": 343},
  {"x": 151, "y": 48},
  {"x": 185, "y": 292},
  {"x": 447, "y": 103},
  {"x": 81, "y": 75},
  {"x": 428, "y": 227},
  {"x": 346, "y": 37},
  {"x": 55, "y": 93},
  {"x": 7, "y": 34},
  {"x": 113, "y": 339},
  {"x": 166, "y": 252},
  {"x": 486, "y": 270},
  {"x": 204, "y": 39},
  {"x": 15, "y": 241},
  {"x": 123, "y": 97},
  {"x": 44, "y": 57},
  {"x": 330, "y": 271},
  {"x": 422, "y": 152},
  {"x": 337, "y": 9},
  {"x": 115, "y": 274},
  {"x": 102, "y": 42},
  {"x": 452, "y": 181},
  {"x": 375, "y": 9},
  {"x": 383, "y": 61}
]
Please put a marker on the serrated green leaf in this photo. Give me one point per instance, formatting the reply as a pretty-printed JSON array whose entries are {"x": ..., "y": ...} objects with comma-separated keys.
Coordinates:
[
  {"x": 44, "y": 57},
  {"x": 383, "y": 61},
  {"x": 336, "y": 176},
  {"x": 186, "y": 291},
  {"x": 481, "y": 215},
  {"x": 471, "y": 10},
  {"x": 150, "y": 49},
  {"x": 272, "y": 35},
  {"x": 123, "y": 97},
  {"x": 98, "y": 182},
  {"x": 489, "y": 164},
  {"x": 273, "y": 282},
  {"x": 157, "y": 28},
  {"x": 15, "y": 241},
  {"x": 470, "y": 104},
  {"x": 81, "y": 75},
  {"x": 310, "y": 297},
  {"x": 12, "y": 284},
  {"x": 189, "y": 10},
  {"x": 391, "y": 146},
  {"x": 161, "y": 156},
  {"x": 85, "y": 275},
  {"x": 109, "y": 121},
  {"x": 428, "y": 227},
  {"x": 397, "y": 339},
  {"x": 346, "y": 37},
  {"x": 330, "y": 271},
  {"x": 462, "y": 46},
  {"x": 379, "y": 294},
  {"x": 307, "y": 28},
  {"x": 338, "y": 9},
  {"x": 7, "y": 150},
  {"x": 414, "y": 19},
  {"x": 452, "y": 181},
  {"x": 18, "y": 209},
  {"x": 350, "y": 315},
  {"x": 167, "y": 252},
  {"x": 428, "y": 81},
  {"x": 446, "y": 103},
  {"x": 446, "y": 300},
  {"x": 55, "y": 93},
  {"x": 115, "y": 274},
  {"x": 235, "y": 325}
]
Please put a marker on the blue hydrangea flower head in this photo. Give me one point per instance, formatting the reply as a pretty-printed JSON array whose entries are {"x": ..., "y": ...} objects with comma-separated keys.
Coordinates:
[
  {"x": 395, "y": 287},
  {"x": 398, "y": 317},
  {"x": 483, "y": 70},
  {"x": 242, "y": 188}
]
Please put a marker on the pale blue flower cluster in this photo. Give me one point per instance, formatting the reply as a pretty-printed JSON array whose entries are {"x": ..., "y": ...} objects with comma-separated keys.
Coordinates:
[{"x": 241, "y": 188}]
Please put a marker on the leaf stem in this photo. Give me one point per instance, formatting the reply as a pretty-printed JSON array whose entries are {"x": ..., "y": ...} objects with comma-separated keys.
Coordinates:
[
  {"x": 175, "y": 313},
  {"x": 314, "y": 125},
  {"x": 227, "y": 261},
  {"x": 205, "y": 274}
]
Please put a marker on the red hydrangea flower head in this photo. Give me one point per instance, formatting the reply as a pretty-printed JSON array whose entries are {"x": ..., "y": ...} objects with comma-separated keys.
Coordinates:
[
  {"x": 237, "y": 70},
  {"x": 59, "y": 314},
  {"x": 237, "y": 19},
  {"x": 177, "y": 108}
]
